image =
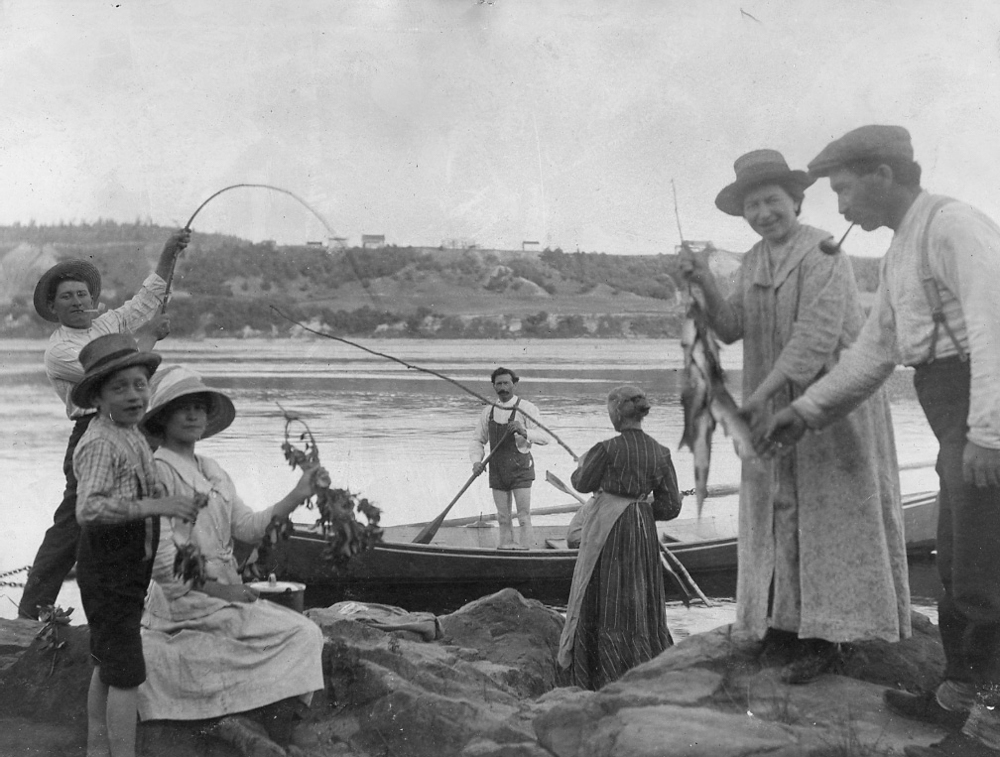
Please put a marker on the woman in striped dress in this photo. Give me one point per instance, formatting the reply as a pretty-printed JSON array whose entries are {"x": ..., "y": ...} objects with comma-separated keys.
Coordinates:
[{"x": 616, "y": 618}]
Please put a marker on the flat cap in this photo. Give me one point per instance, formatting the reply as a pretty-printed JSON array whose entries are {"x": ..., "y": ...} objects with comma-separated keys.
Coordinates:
[{"x": 874, "y": 141}]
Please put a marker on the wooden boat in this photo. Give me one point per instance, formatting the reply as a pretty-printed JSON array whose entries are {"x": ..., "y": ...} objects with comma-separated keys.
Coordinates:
[{"x": 462, "y": 562}]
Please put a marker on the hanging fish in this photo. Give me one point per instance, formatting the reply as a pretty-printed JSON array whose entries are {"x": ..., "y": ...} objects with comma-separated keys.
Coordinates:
[{"x": 706, "y": 400}]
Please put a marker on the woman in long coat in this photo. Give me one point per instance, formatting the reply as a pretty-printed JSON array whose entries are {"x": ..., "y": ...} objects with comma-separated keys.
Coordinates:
[
  {"x": 616, "y": 618},
  {"x": 822, "y": 557}
]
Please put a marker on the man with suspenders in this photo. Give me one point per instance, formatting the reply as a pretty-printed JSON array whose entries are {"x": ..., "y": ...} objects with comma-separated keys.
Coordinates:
[
  {"x": 937, "y": 310},
  {"x": 510, "y": 429}
]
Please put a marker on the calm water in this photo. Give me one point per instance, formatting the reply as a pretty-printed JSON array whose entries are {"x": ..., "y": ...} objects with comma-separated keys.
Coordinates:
[{"x": 395, "y": 435}]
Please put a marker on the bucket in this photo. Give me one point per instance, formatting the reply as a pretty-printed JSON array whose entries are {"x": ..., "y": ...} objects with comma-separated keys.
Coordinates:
[{"x": 287, "y": 593}]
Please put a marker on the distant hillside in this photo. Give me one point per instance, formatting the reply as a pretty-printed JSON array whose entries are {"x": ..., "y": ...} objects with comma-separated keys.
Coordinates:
[{"x": 224, "y": 286}]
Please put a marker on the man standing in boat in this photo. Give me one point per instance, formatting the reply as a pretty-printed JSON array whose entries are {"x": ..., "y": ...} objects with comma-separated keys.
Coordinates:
[
  {"x": 935, "y": 310},
  {"x": 67, "y": 294},
  {"x": 510, "y": 428}
]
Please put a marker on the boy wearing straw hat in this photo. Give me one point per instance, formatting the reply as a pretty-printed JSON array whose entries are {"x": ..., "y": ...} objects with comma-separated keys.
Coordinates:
[
  {"x": 67, "y": 294},
  {"x": 118, "y": 507}
]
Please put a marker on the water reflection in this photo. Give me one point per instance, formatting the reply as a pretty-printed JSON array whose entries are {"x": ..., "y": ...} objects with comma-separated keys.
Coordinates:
[{"x": 395, "y": 435}]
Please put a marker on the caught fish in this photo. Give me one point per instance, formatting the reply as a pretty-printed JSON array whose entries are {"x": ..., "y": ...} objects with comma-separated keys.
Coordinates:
[
  {"x": 706, "y": 400},
  {"x": 189, "y": 563}
]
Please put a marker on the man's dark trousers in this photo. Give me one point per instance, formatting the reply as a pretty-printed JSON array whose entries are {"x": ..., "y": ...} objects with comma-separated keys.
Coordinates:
[
  {"x": 968, "y": 538},
  {"x": 57, "y": 554}
]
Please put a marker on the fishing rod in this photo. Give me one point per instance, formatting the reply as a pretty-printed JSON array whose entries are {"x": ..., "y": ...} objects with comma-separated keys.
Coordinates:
[
  {"x": 306, "y": 205},
  {"x": 450, "y": 380}
]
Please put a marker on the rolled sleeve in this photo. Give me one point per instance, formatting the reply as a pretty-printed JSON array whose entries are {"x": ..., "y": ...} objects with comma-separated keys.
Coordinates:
[
  {"x": 862, "y": 369},
  {"x": 480, "y": 436}
]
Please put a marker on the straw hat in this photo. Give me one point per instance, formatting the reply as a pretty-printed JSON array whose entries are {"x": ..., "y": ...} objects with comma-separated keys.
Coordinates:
[
  {"x": 102, "y": 357},
  {"x": 177, "y": 381},
  {"x": 68, "y": 270},
  {"x": 752, "y": 170}
]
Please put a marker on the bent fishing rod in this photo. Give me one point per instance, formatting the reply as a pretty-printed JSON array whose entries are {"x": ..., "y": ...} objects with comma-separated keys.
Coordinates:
[
  {"x": 450, "y": 380},
  {"x": 306, "y": 205}
]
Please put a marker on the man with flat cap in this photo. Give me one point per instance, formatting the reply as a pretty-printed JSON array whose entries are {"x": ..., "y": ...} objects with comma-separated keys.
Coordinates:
[
  {"x": 936, "y": 310},
  {"x": 67, "y": 294}
]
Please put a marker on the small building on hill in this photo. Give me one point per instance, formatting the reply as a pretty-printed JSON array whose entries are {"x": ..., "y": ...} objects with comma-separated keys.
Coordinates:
[{"x": 372, "y": 240}]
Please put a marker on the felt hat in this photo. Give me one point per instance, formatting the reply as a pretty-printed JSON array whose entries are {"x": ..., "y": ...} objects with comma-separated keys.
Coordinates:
[
  {"x": 756, "y": 168},
  {"x": 864, "y": 143},
  {"x": 68, "y": 270},
  {"x": 176, "y": 381},
  {"x": 102, "y": 357}
]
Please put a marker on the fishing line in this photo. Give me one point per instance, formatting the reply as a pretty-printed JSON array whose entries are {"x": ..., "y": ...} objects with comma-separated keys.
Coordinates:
[
  {"x": 306, "y": 205},
  {"x": 450, "y": 380}
]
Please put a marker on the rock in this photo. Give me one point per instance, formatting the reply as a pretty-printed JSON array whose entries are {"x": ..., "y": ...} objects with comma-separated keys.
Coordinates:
[
  {"x": 417, "y": 698},
  {"x": 486, "y": 687},
  {"x": 15, "y": 637}
]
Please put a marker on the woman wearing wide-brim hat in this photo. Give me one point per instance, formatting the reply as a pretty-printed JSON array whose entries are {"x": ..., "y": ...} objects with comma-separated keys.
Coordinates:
[
  {"x": 248, "y": 653},
  {"x": 821, "y": 551}
]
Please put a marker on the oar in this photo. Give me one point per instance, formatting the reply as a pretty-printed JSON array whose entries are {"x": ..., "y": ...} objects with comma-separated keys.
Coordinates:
[
  {"x": 428, "y": 531},
  {"x": 666, "y": 556}
]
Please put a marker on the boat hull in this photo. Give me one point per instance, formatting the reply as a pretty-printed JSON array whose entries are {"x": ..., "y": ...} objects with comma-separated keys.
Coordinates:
[{"x": 462, "y": 564}]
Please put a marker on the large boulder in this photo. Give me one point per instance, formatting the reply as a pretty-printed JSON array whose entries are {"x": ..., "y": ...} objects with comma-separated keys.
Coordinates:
[{"x": 481, "y": 682}]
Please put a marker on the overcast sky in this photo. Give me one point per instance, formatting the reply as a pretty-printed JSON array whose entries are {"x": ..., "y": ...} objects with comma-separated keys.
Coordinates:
[{"x": 561, "y": 121}]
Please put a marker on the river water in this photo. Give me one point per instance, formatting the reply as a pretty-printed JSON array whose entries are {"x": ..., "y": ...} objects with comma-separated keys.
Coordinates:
[{"x": 395, "y": 435}]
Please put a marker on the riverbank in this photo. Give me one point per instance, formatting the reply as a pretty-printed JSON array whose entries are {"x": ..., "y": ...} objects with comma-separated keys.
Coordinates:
[{"x": 482, "y": 682}]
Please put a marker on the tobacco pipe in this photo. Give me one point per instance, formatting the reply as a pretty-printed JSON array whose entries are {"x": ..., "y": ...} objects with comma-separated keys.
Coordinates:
[{"x": 832, "y": 249}]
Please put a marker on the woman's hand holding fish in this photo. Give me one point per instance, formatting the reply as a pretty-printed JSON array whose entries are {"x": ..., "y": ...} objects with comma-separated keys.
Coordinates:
[
  {"x": 694, "y": 265},
  {"x": 754, "y": 412},
  {"x": 311, "y": 478},
  {"x": 784, "y": 430}
]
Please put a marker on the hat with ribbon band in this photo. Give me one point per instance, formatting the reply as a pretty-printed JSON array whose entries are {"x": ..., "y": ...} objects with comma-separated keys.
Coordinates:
[
  {"x": 754, "y": 169},
  {"x": 104, "y": 356},
  {"x": 175, "y": 382}
]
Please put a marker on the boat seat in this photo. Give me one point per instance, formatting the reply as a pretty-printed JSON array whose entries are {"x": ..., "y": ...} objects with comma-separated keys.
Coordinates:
[{"x": 556, "y": 544}]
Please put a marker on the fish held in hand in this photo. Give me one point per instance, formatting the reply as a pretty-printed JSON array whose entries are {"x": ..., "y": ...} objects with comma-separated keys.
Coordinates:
[{"x": 706, "y": 400}]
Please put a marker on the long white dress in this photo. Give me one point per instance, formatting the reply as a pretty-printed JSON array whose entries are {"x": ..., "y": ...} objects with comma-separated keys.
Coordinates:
[{"x": 206, "y": 657}]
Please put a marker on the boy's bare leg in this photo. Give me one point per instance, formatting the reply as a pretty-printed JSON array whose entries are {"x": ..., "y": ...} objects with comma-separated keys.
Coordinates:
[
  {"x": 97, "y": 717},
  {"x": 122, "y": 714}
]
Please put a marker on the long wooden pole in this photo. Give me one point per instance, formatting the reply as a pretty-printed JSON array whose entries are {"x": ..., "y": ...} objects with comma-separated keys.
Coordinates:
[
  {"x": 450, "y": 380},
  {"x": 428, "y": 531}
]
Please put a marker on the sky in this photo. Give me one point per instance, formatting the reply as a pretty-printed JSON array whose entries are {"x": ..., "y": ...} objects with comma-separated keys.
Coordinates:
[{"x": 567, "y": 122}]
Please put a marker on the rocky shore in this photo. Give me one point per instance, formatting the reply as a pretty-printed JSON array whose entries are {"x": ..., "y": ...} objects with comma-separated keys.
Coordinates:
[{"x": 482, "y": 682}]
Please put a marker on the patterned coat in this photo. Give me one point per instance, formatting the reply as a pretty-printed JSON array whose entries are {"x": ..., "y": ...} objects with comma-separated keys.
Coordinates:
[{"x": 823, "y": 522}]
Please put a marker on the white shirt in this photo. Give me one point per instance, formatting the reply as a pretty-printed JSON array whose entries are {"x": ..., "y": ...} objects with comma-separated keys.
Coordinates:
[
  {"x": 62, "y": 356},
  {"x": 964, "y": 258},
  {"x": 527, "y": 413}
]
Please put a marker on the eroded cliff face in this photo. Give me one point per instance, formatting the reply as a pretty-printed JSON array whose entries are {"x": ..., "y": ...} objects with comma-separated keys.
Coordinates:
[{"x": 482, "y": 682}]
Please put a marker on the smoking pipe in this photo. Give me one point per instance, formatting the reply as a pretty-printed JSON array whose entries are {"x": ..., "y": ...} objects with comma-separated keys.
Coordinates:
[{"x": 832, "y": 249}]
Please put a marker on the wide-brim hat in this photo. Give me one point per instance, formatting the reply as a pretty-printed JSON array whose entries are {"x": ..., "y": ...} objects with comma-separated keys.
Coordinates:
[
  {"x": 754, "y": 169},
  {"x": 68, "y": 270},
  {"x": 102, "y": 357},
  {"x": 176, "y": 381}
]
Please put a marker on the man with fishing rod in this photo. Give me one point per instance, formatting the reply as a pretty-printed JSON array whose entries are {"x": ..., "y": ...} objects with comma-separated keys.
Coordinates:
[
  {"x": 510, "y": 428},
  {"x": 67, "y": 294},
  {"x": 936, "y": 310}
]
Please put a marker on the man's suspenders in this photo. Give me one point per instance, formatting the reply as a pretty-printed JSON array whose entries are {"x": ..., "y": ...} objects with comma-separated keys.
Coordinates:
[{"x": 931, "y": 289}]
